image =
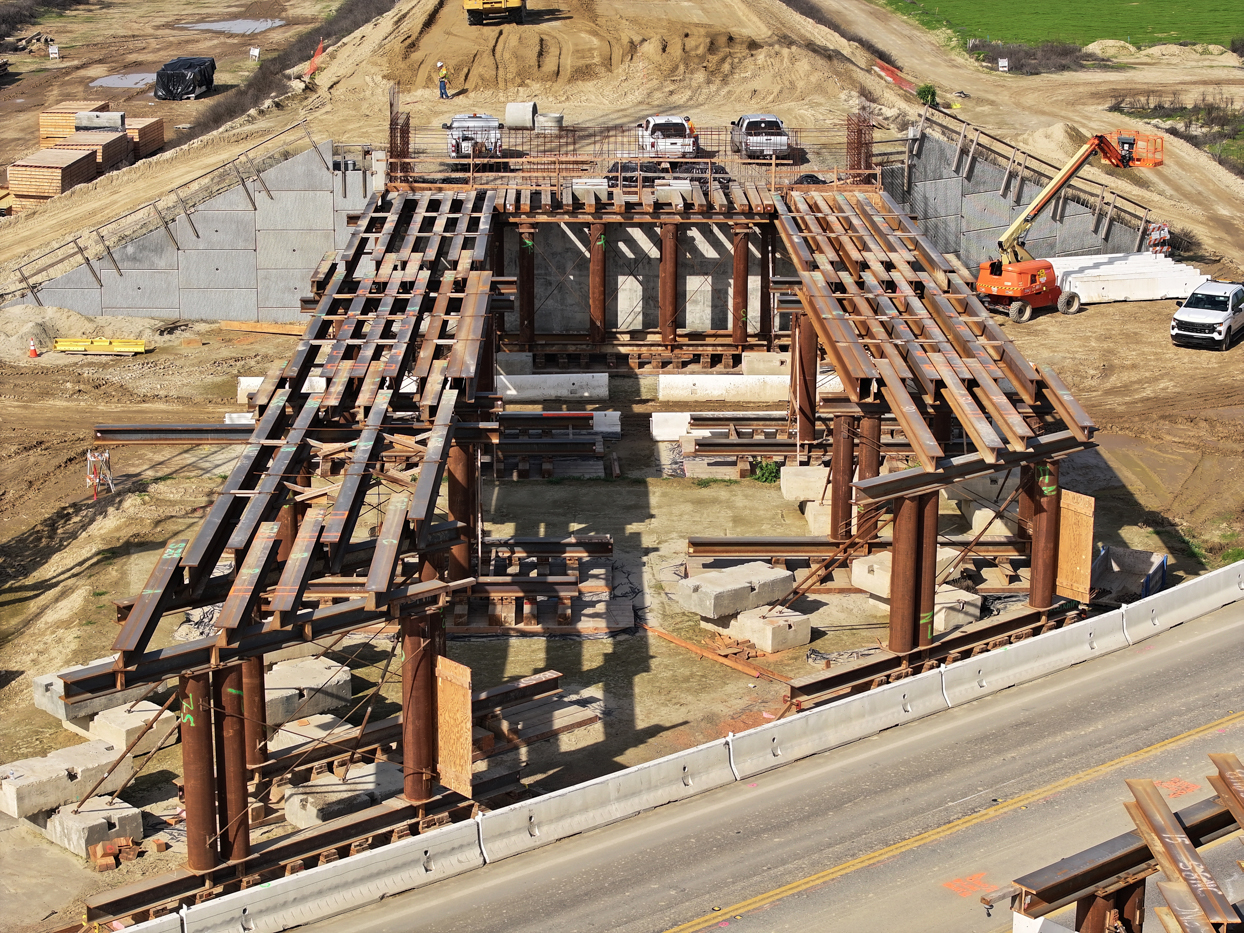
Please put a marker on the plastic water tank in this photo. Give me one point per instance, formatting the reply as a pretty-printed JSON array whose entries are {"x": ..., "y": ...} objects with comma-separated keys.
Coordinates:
[
  {"x": 521, "y": 116},
  {"x": 549, "y": 122}
]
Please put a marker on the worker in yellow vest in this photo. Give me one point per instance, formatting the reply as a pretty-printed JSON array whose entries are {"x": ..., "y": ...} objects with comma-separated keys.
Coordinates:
[{"x": 442, "y": 74}]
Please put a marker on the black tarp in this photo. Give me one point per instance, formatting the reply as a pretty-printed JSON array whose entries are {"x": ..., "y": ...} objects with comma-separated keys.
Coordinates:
[{"x": 185, "y": 78}]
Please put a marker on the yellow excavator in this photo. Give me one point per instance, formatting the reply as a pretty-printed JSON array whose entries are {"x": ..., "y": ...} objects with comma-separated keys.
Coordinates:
[
  {"x": 1017, "y": 283},
  {"x": 513, "y": 10}
]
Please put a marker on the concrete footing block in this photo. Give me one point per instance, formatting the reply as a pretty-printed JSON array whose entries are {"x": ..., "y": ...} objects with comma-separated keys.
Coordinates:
[
  {"x": 769, "y": 629},
  {"x": 96, "y": 821},
  {"x": 996, "y": 488},
  {"x": 306, "y": 729},
  {"x": 302, "y": 688},
  {"x": 766, "y": 364},
  {"x": 980, "y": 517},
  {"x": 872, "y": 573},
  {"x": 119, "y": 728},
  {"x": 952, "y": 607},
  {"x": 800, "y": 484},
  {"x": 327, "y": 798},
  {"x": 48, "y": 694},
  {"x": 816, "y": 514},
  {"x": 734, "y": 590},
  {"x": 42, "y": 784}
]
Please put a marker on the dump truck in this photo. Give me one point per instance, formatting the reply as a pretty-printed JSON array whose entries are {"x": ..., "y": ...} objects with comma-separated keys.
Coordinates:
[
  {"x": 477, "y": 10},
  {"x": 1017, "y": 283},
  {"x": 759, "y": 136}
]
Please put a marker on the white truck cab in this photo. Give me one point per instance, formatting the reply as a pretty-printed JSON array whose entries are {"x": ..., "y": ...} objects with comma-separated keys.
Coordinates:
[
  {"x": 473, "y": 134},
  {"x": 1212, "y": 316},
  {"x": 668, "y": 137},
  {"x": 759, "y": 136}
]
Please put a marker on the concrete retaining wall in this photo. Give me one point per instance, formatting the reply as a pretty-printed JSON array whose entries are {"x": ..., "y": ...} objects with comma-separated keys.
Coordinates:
[
  {"x": 240, "y": 256},
  {"x": 964, "y": 211}
]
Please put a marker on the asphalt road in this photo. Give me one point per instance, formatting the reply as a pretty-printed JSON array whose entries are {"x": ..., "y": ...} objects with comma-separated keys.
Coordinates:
[{"x": 902, "y": 831}]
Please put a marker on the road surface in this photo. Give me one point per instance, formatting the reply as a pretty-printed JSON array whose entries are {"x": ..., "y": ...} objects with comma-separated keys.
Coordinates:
[{"x": 902, "y": 831}]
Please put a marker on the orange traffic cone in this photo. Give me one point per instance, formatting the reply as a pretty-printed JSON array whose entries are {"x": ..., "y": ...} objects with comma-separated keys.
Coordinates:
[{"x": 34, "y": 354}]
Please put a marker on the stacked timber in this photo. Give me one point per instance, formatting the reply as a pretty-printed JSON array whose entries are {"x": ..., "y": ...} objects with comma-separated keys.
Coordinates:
[
  {"x": 146, "y": 135},
  {"x": 4, "y": 67},
  {"x": 48, "y": 173},
  {"x": 57, "y": 122},
  {"x": 111, "y": 149}
]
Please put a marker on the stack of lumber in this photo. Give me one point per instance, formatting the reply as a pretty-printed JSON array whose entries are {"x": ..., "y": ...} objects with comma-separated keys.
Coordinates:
[
  {"x": 57, "y": 122},
  {"x": 48, "y": 173},
  {"x": 111, "y": 149},
  {"x": 741, "y": 648},
  {"x": 146, "y": 135}
]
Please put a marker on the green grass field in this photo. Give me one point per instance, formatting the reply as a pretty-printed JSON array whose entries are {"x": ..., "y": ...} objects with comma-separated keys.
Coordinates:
[{"x": 1142, "y": 22}]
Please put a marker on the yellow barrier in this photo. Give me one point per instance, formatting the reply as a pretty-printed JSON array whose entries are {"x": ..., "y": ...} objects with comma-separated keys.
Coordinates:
[{"x": 101, "y": 346}]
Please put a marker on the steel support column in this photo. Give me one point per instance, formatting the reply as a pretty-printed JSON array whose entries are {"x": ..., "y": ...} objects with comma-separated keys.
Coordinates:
[
  {"x": 1027, "y": 490},
  {"x": 904, "y": 570},
  {"x": 928, "y": 568},
  {"x": 527, "y": 285},
  {"x": 841, "y": 473},
  {"x": 766, "y": 300},
  {"x": 870, "y": 466},
  {"x": 461, "y": 494},
  {"x": 1046, "y": 504},
  {"x": 496, "y": 247},
  {"x": 254, "y": 704},
  {"x": 233, "y": 815},
  {"x": 486, "y": 375},
  {"x": 668, "y": 284},
  {"x": 805, "y": 381},
  {"x": 596, "y": 285},
  {"x": 418, "y": 707},
  {"x": 738, "y": 311},
  {"x": 198, "y": 774}
]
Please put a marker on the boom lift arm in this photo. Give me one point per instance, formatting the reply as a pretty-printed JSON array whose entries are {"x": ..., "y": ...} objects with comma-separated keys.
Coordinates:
[{"x": 1011, "y": 245}]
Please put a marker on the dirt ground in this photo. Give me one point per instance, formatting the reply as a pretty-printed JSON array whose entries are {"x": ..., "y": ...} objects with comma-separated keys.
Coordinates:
[{"x": 1168, "y": 476}]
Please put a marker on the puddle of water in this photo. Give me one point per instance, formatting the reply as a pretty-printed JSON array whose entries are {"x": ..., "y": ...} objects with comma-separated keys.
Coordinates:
[
  {"x": 237, "y": 27},
  {"x": 135, "y": 80}
]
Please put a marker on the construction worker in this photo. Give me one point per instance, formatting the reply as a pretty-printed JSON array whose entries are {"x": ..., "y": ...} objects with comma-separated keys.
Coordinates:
[{"x": 442, "y": 75}]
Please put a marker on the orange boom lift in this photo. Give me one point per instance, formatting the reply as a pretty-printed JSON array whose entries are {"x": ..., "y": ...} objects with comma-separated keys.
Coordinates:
[{"x": 1017, "y": 283}]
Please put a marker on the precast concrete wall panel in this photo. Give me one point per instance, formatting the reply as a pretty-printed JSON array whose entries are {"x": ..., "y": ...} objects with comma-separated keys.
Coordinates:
[
  {"x": 219, "y": 304},
  {"x": 326, "y": 891},
  {"x": 942, "y": 198},
  {"x": 985, "y": 212},
  {"x": 216, "y": 230},
  {"x": 933, "y": 160},
  {"x": 217, "y": 268},
  {"x": 817, "y": 730},
  {"x": 87, "y": 301},
  {"x": 982, "y": 176},
  {"x": 529, "y": 825},
  {"x": 79, "y": 277},
  {"x": 234, "y": 199},
  {"x": 351, "y": 190},
  {"x": 945, "y": 232},
  {"x": 1031, "y": 658},
  {"x": 135, "y": 292},
  {"x": 303, "y": 172},
  {"x": 288, "y": 249},
  {"x": 282, "y": 288},
  {"x": 294, "y": 210},
  {"x": 150, "y": 252}
]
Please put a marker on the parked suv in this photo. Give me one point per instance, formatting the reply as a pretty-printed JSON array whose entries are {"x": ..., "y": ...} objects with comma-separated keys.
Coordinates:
[
  {"x": 1211, "y": 316},
  {"x": 668, "y": 137}
]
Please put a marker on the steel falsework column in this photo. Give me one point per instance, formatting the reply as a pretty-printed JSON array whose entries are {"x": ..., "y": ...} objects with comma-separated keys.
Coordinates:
[
  {"x": 197, "y": 771},
  {"x": 1046, "y": 505},
  {"x": 254, "y": 704},
  {"x": 419, "y": 739},
  {"x": 486, "y": 374},
  {"x": 496, "y": 247},
  {"x": 233, "y": 814},
  {"x": 527, "y": 285},
  {"x": 904, "y": 570},
  {"x": 929, "y": 504},
  {"x": 870, "y": 466},
  {"x": 805, "y": 381},
  {"x": 461, "y": 494},
  {"x": 668, "y": 284},
  {"x": 596, "y": 285},
  {"x": 766, "y": 299},
  {"x": 842, "y": 471},
  {"x": 738, "y": 318},
  {"x": 1027, "y": 493}
]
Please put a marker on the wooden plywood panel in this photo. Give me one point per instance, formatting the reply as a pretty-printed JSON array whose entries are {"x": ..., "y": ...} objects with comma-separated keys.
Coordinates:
[
  {"x": 453, "y": 715},
  {"x": 1075, "y": 546}
]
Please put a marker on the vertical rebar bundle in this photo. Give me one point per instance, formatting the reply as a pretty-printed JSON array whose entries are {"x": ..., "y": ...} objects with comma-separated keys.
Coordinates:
[{"x": 859, "y": 142}]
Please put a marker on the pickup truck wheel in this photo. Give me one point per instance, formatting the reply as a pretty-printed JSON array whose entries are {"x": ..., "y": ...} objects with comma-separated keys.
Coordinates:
[
  {"x": 1020, "y": 312},
  {"x": 1069, "y": 303},
  {"x": 1225, "y": 344}
]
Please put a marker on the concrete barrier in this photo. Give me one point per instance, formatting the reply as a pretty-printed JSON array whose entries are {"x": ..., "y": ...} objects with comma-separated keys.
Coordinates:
[
  {"x": 593, "y": 386},
  {"x": 817, "y": 730},
  {"x": 1184, "y": 602},
  {"x": 1031, "y": 658},
  {"x": 607, "y": 799},
  {"x": 169, "y": 923},
  {"x": 323, "y": 892}
]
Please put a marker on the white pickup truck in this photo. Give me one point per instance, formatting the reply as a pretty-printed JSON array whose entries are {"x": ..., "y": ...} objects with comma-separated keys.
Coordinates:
[
  {"x": 668, "y": 137},
  {"x": 759, "y": 136},
  {"x": 473, "y": 134},
  {"x": 1213, "y": 315}
]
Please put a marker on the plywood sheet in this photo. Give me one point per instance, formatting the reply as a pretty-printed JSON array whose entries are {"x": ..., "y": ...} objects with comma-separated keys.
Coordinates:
[
  {"x": 453, "y": 720},
  {"x": 1075, "y": 546}
]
